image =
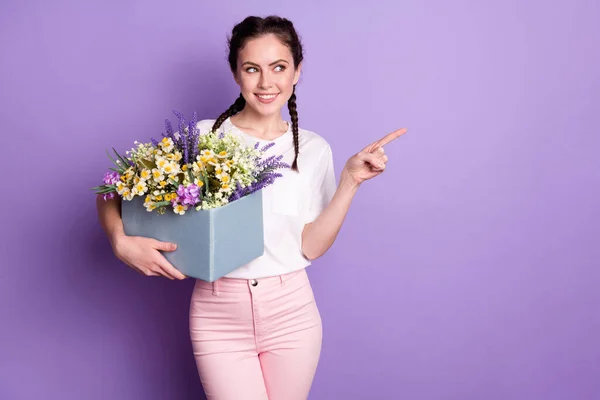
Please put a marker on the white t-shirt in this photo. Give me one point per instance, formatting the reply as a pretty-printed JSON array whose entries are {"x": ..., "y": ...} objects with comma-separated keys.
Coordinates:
[{"x": 293, "y": 200}]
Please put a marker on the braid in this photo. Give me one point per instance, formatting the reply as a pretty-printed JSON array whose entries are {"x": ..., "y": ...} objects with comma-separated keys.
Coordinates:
[
  {"x": 235, "y": 108},
  {"x": 294, "y": 116}
]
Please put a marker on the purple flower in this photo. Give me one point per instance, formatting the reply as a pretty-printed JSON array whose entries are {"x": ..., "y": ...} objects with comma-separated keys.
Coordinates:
[
  {"x": 110, "y": 195},
  {"x": 264, "y": 181},
  {"x": 188, "y": 195},
  {"x": 267, "y": 147},
  {"x": 184, "y": 142},
  {"x": 193, "y": 137},
  {"x": 111, "y": 178}
]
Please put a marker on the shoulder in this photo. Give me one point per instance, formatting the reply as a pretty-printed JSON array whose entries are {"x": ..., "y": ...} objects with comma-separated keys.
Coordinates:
[
  {"x": 205, "y": 125},
  {"x": 313, "y": 142}
]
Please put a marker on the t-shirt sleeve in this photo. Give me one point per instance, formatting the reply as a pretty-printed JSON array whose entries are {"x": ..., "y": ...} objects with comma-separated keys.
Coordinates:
[
  {"x": 205, "y": 125},
  {"x": 322, "y": 187}
]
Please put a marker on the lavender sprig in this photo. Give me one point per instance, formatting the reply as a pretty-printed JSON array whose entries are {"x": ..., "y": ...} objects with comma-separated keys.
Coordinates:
[
  {"x": 184, "y": 144},
  {"x": 194, "y": 135},
  {"x": 266, "y": 180}
]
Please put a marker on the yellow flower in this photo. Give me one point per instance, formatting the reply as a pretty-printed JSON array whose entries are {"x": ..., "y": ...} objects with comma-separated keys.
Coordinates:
[
  {"x": 225, "y": 186},
  {"x": 129, "y": 173},
  {"x": 184, "y": 168},
  {"x": 163, "y": 183},
  {"x": 159, "y": 197},
  {"x": 198, "y": 182},
  {"x": 225, "y": 178},
  {"x": 222, "y": 154}
]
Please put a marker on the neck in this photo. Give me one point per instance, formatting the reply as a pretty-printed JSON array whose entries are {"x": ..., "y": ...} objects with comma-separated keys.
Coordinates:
[{"x": 262, "y": 125}]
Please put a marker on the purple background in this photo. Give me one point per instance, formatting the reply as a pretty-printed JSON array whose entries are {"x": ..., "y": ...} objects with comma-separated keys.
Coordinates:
[{"x": 469, "y": 270}]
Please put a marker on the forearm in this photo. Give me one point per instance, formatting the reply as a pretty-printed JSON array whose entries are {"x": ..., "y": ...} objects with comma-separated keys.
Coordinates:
[
  {"x": 319, "y": 235},
  {"x": 109, "y": 216}
]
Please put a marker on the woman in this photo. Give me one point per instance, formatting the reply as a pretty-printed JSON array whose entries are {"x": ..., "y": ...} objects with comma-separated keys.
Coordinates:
[{"x": 256, "y": 333}]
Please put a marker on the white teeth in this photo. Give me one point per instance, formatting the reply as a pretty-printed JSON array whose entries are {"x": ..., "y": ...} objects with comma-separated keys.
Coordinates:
[{"x": 268, "y": 97}]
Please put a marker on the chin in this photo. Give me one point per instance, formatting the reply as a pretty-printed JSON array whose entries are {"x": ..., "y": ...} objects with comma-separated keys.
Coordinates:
[{"x": 267, "y": 110}]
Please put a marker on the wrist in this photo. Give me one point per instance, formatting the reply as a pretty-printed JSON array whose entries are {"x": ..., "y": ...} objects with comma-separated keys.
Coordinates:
[
  {"x": 347, "y": 182},
  {"x": 115, "y": 237}
]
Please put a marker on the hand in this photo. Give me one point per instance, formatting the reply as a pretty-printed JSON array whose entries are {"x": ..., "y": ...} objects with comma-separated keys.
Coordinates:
[
  {"x": 370, "y": 161},
  {"x": 142, "y": 254}
]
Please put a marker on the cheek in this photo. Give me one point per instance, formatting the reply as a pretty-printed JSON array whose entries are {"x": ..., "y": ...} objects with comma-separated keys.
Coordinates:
[{"x": 286, "y": 83}]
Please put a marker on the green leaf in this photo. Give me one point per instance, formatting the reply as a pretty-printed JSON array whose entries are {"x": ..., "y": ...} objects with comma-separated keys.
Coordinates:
[
  {"x": 205, "y": 176},
  {"x": 123, "y": 160},
  {"x": 108, "y": 154},
  {"x": 147, "y": 163},
  {"x": 161, "y": 203}
]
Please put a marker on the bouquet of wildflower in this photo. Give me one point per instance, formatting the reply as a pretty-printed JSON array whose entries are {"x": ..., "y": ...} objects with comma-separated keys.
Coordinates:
[{"x": 186, "y": 169}]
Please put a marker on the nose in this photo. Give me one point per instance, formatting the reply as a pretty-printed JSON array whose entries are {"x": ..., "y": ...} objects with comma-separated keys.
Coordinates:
[{"x": 265, "y": 81}]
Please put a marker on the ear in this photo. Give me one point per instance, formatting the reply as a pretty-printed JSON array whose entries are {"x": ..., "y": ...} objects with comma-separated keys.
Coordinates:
[
  {"x": 235, "y": 77},
  {"x": 297, "y": 74}
]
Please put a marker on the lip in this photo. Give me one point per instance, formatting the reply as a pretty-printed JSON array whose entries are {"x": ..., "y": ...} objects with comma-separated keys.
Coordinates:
[{"x": 265, "y": 101}]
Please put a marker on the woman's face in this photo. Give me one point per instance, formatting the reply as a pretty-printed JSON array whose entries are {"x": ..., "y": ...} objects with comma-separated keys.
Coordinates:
[{"x": 266, "y": 74}]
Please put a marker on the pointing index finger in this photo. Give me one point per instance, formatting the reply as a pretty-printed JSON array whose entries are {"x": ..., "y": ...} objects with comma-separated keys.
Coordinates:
[
  {"x": 386, "y": 139},
  {"x": 391, "y": 136}
]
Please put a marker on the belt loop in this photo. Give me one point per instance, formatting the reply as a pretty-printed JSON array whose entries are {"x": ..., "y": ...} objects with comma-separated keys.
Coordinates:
[{"x": 215, "y": 287}]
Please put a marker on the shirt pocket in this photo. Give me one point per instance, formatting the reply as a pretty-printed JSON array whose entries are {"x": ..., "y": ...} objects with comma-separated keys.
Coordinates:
[{"x": 288, "y": 194}]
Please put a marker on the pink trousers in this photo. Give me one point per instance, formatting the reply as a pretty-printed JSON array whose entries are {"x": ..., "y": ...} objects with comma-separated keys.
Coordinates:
[{"x": 256, "y": 339}]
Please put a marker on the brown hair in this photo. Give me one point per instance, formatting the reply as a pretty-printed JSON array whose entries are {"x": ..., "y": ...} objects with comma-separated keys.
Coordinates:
[{"x": 252, "y": 28}]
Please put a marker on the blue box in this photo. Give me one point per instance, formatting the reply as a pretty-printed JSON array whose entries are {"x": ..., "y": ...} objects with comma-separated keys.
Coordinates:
[{"x": 210, "y": 243}]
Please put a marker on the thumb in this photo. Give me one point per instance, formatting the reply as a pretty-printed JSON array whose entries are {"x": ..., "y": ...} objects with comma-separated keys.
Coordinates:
[{"x": 164, "y": 246}]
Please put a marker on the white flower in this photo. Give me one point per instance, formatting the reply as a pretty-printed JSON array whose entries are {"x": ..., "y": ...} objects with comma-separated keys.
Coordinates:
[
  {"x": 171, "y": 169},
  {"x": 157, "y": 175},
  {"x": 179, "y": 209},
  {"x": 145, "y": 174},
  {"x": 140, "y": 188},
  {"x": 166, "y": 144}
]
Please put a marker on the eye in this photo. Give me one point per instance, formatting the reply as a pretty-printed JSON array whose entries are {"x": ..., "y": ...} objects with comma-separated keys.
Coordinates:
[
  {"x": 249, "y": 68},
  {"x": 281, "y": 66}
]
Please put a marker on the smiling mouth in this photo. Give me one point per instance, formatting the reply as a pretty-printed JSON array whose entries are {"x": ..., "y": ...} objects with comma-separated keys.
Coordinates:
[{"x": 266, "y": 96}]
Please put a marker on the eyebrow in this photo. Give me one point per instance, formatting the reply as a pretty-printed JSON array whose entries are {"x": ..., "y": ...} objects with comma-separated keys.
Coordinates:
[{"x": 273, "y": 63}]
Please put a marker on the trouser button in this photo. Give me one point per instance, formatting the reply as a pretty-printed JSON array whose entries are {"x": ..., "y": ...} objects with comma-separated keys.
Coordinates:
[{"x": 254, "y": 282}]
